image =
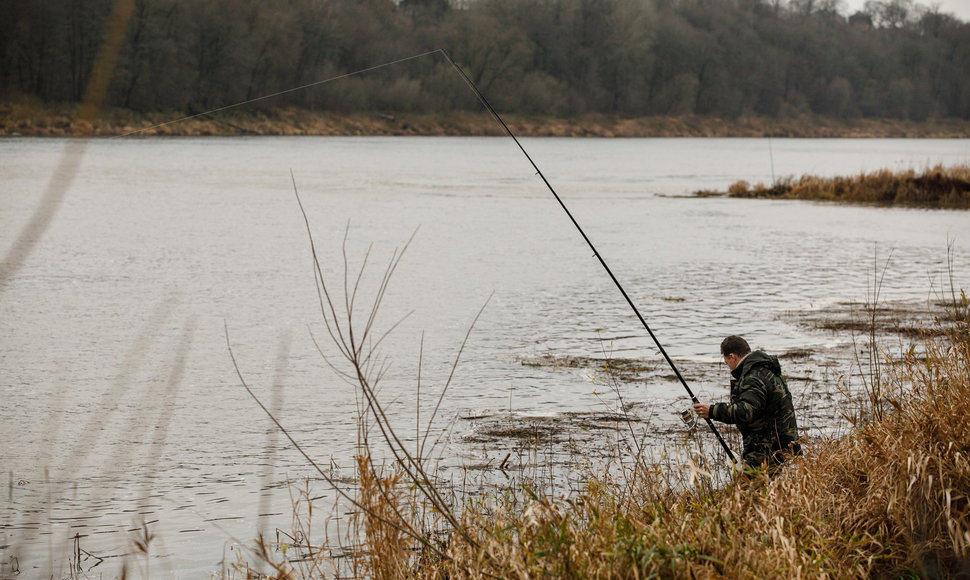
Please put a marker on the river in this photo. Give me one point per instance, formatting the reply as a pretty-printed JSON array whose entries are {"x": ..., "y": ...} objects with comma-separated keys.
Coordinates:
[{"x": 129, "y": 261}]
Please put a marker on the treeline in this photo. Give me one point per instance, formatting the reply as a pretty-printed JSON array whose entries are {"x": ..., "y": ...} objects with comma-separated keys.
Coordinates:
[{"x": 725, "y": 58}]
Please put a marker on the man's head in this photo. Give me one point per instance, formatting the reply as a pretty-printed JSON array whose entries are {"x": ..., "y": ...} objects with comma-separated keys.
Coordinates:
[{"x": 733, "y": 349}]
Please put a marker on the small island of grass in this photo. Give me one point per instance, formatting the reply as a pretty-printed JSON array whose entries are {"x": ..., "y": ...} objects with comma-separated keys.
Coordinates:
[{"x": 937, "y": 187}]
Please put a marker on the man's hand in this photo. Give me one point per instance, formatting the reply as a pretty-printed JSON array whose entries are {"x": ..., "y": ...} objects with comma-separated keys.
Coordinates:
[{"x": 703, "y": 411}]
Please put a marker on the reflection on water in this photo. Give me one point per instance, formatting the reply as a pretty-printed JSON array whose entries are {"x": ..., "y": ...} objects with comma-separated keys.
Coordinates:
[{"x": 121, "y": 404}]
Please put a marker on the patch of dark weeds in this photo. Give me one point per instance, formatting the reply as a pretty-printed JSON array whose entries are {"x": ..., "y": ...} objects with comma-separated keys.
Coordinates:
[
  {"x": 600, "y": 420},
  {"x": 624, "y": 369},
  {"x": 533, "y": 432},
  {"x": 902, "y": 318},
  {"x": 791, "y": 378},
  {"x": 796, "y": 353},
  {"x": 544, "y": 429},
  {"x": 859, "y": 326}
]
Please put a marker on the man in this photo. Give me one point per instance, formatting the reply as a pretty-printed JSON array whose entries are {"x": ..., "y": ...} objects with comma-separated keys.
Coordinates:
[{"x": 760, "y": 406}]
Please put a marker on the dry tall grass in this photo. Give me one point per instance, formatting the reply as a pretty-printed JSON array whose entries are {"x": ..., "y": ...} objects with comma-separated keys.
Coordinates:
[
  {"x": 387, "y": 546},
  {"x": 936, "y": 187}
]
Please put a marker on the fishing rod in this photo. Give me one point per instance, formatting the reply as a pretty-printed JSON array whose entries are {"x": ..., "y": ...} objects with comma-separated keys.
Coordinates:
[
  {"x": 619, "y": 286},
  {"x": 481, "y": 97}
]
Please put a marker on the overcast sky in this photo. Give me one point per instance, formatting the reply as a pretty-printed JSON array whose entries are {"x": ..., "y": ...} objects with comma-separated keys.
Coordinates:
[{"x": 959, "y": 8}]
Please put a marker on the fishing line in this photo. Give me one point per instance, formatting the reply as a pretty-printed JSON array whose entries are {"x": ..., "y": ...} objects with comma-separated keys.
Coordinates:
[
  {"x": 619, "y": 286},
  {"x": 481, "y": 98},
  {"x": 284, "y": 92}
]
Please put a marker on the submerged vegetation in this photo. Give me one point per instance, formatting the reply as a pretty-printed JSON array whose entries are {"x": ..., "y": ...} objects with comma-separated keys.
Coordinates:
[
  {"x": 936, "y": 187},
  {"x": 891, "y": 498}
]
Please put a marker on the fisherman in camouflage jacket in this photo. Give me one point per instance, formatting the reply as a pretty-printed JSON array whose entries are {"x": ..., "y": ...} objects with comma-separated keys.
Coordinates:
[{"x": 761, "y": 406}]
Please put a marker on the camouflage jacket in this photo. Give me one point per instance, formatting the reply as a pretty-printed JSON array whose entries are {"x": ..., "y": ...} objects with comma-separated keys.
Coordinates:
[{"x": 761, "y": 407}]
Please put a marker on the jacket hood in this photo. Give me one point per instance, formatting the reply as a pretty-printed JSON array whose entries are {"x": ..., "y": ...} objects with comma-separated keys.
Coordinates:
[{"x": 757, "y": 358}]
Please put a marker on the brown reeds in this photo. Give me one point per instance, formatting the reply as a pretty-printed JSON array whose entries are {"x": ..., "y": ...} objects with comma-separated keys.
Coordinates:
[
  {"x": 383, "y": 500},
  {"x": 936, "y": 187}
]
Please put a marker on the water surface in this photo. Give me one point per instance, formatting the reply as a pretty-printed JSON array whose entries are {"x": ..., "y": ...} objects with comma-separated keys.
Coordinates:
[{"x": 120, "y": 400}]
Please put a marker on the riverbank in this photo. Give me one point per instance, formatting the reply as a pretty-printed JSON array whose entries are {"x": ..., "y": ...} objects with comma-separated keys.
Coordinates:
[
  {"x": 935, "y": 188},
  {"x": 36, "y": 119}
]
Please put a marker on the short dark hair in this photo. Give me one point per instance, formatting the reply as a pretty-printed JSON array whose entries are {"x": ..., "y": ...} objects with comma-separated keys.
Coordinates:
[{"x": 735, "y": 345}]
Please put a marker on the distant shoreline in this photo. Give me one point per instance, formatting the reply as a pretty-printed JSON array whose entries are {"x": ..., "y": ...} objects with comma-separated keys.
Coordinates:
[{"x": 34, "y": 119}]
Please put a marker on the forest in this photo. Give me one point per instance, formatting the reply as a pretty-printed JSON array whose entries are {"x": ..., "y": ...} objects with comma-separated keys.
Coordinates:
[{"x": 896, "y": 59}]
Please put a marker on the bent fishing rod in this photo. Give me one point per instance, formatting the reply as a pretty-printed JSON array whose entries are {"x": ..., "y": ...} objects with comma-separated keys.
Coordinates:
[{"x": 494, "y": 113}]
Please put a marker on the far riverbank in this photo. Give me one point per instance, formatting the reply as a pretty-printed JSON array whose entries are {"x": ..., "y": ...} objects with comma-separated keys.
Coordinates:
[{"x": 31, "y": 118}]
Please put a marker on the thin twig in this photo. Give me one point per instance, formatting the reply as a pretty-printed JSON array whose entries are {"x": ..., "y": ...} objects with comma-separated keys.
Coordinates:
[{"x": 319, "y": 470}]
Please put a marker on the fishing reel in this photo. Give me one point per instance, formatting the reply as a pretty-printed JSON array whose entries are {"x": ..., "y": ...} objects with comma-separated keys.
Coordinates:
[{"x": 689, "y": 417}]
